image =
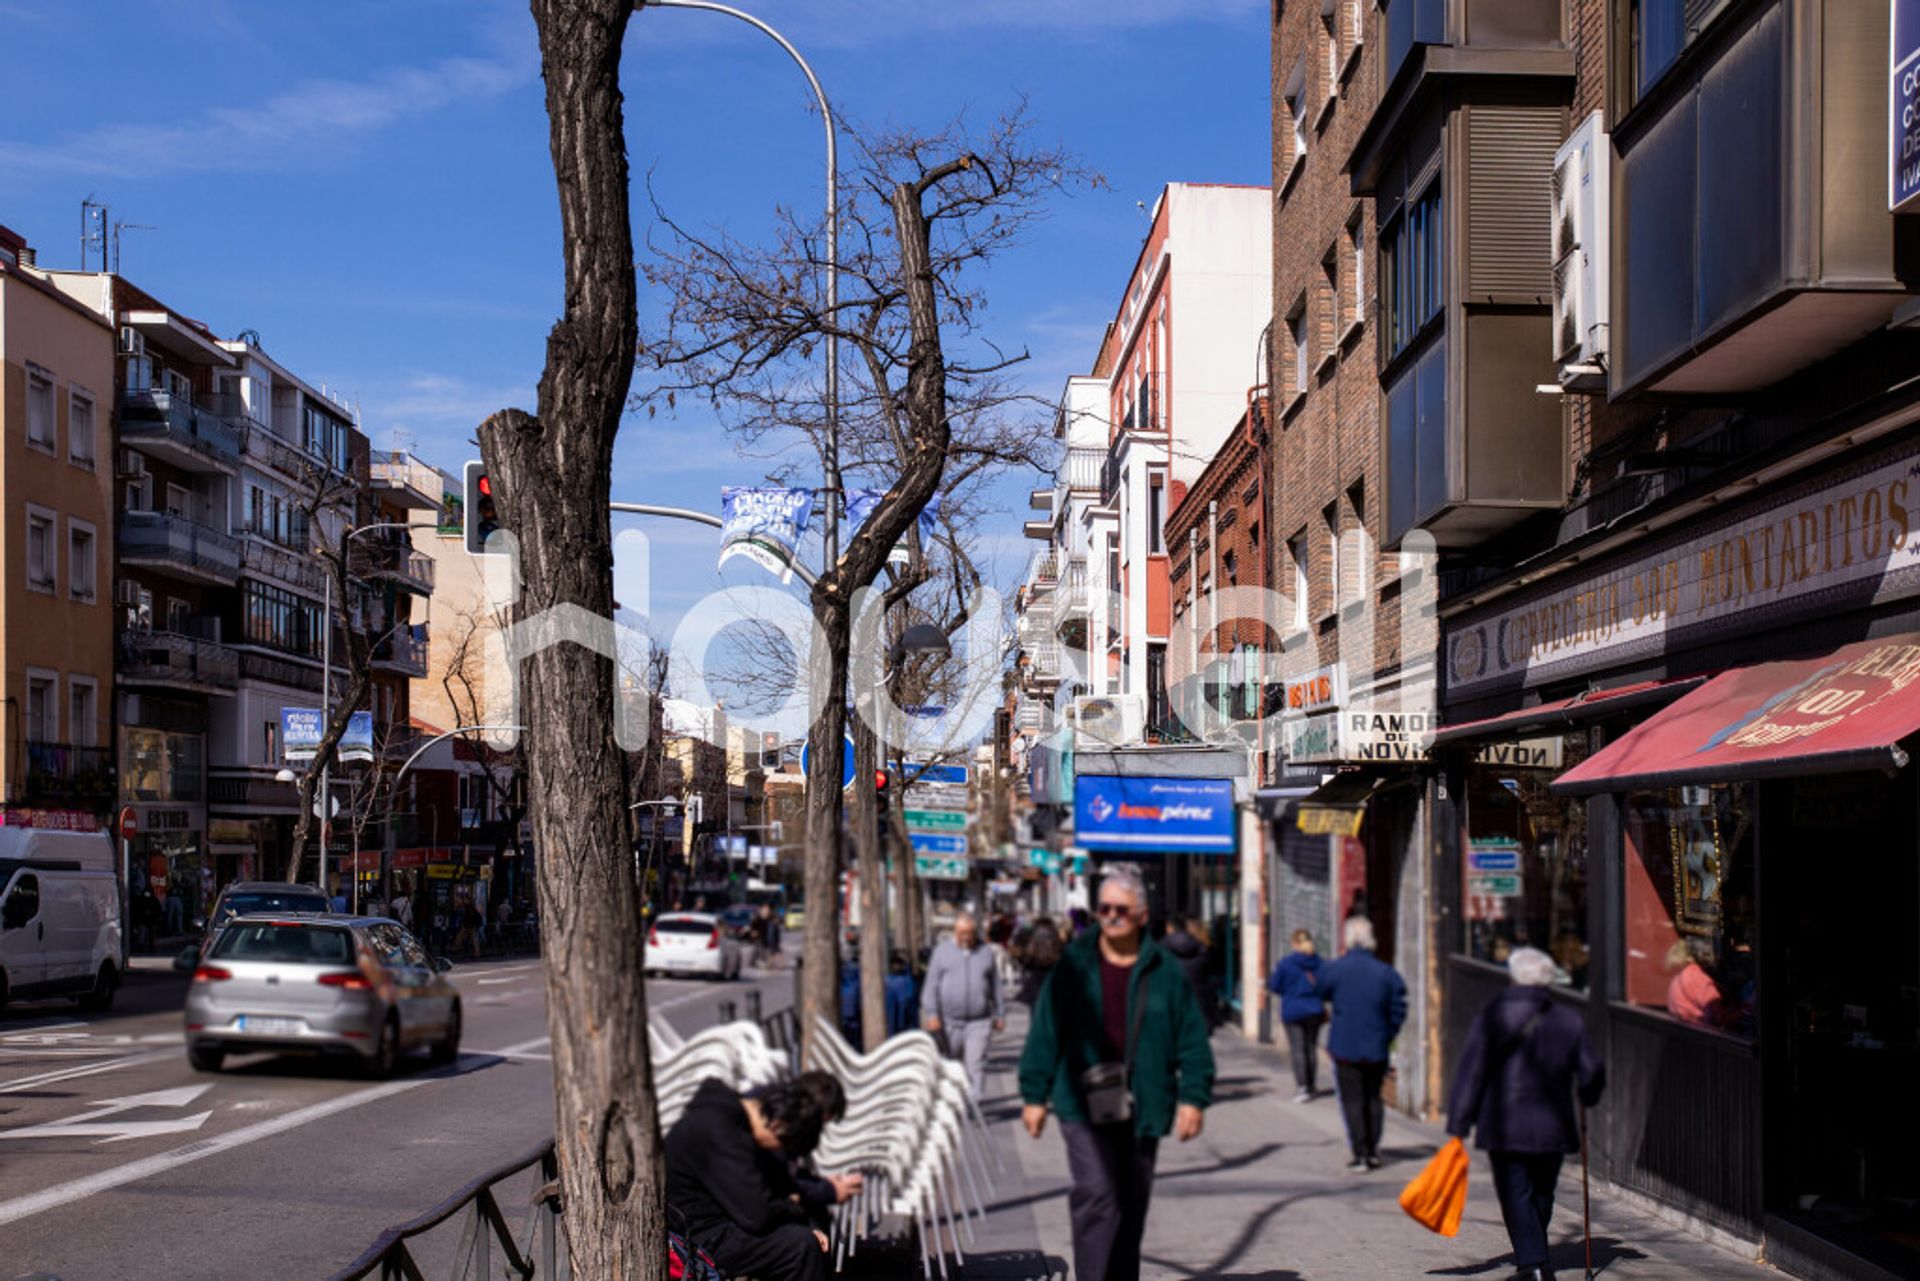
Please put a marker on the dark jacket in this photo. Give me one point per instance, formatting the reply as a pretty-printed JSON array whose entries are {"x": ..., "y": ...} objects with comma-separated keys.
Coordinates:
[
  {"x": 1172, "y": 1062},
  {"x": 903, "y": 1004},
  {"x": 1519, "y": 1093},
  {"x": 1369, "y": 1001},
  {"x": 719, "y": 1181},
  {"x": 1296, "y": 981},
  {"x": 1193, "y": 958}
]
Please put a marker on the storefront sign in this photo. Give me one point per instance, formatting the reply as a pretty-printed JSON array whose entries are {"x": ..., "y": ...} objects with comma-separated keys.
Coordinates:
[
  {"x": 167, "y": 820},
  {"x": 936, "y": 867},
  {"x": 1044, "y": 860},
  {"x": 1313, "y": 738},
  {"x": 1531, "y": 753},
  {"x": 1393, "y": 737},
  {"x": 1320, "y": 690},
  {"x": 50, "y": 820},
  {"x": 1122, "y": 812},
  {"x": 1330, "y": 820},
  {"x": 1790, "y": 557},
  {"x": 232, "y": 831},
  {"x": 1903, "y": 106}
]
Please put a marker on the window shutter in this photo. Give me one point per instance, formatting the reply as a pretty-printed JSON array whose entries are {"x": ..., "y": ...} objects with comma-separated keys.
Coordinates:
[{"x": 1509, "y": 200}]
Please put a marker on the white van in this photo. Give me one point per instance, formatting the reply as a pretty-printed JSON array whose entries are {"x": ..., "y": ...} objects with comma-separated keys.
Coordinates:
[{"x": 59, "y": 917}]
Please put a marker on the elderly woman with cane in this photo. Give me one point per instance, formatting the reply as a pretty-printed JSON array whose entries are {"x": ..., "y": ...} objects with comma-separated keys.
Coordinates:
[{"x": 1524, "y": 1060}]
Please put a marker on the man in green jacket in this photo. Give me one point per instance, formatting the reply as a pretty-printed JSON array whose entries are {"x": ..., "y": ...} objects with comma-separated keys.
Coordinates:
[{"x": 1116, "y": 997}]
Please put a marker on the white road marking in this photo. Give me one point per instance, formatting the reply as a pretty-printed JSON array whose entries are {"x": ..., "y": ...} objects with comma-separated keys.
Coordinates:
[
  {"x": 517, "y": 978},
  {"x": 72, "y": 1073},
  {"x": 524, "y": 1050},
  {"x": 33, "y": 1029},
  {"x": 61, "y": 1195},
  {"x": 92, "y": 1123}
]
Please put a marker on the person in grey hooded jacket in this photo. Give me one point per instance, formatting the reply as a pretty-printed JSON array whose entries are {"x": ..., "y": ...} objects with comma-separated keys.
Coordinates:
[{"x": 962, "y": 1000}]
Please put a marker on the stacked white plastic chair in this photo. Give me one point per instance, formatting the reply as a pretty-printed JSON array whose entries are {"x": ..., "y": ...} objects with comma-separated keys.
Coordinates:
[
  {"x": 736, "y": 1053},
  {"x": 915, "y": 1130}
]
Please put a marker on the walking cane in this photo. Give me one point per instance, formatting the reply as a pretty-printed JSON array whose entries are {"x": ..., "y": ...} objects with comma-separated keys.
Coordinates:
[{"x": 1586, "y": 1208}]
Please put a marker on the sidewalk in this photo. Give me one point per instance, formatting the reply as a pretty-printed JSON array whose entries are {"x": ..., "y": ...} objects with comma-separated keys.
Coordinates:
[{"x": 1262, "y": 1196}]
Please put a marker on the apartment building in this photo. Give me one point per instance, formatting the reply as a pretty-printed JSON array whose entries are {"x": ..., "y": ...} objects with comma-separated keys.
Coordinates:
[
  {"x": 57, "y": 629},
  {"x": 1644, "y": 427}
]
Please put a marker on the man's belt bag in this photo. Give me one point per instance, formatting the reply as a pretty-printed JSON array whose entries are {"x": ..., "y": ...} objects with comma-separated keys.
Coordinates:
[{"x": 1107, "y": 1088}]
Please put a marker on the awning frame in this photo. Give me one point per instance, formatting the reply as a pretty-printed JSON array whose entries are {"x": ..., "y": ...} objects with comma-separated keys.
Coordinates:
[
  {"x": 1584, "y": 709},
  {"x": 1889, "y": 759}
]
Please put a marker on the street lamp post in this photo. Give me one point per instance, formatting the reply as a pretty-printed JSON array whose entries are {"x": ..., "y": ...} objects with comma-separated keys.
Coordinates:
[{"x": 831, "y": 461}]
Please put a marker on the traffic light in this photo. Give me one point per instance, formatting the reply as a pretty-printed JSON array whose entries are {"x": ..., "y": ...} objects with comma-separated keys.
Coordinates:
[
  {"x": 880, "y": 780},
  {"x": 481, "y": 517}
]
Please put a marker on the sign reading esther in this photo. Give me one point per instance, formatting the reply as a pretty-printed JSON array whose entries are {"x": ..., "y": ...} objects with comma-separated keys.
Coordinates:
[{"x": 1790, "y": 557}]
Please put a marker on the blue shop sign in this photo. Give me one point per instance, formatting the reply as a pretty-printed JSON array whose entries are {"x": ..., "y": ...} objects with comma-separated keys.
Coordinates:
[{"x": 1142, "y": 814}]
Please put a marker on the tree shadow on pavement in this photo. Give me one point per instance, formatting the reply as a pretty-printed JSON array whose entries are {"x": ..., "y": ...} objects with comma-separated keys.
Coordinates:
[
  {"x": 1013, "y": 1265},
  {"x": 1568, "y": 1258},
  {"x": 1226, "y": 1163}
]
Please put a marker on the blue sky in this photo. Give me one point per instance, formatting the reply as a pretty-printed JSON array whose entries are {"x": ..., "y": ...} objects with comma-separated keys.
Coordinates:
[{"x": 366, "y": 182}]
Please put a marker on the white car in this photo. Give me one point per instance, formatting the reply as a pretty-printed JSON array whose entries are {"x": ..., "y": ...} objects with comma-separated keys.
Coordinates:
[{"x": 691, "y": 943}]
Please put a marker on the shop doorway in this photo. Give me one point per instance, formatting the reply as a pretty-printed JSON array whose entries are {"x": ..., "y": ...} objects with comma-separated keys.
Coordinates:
[{"x": 1840, "y": 896}]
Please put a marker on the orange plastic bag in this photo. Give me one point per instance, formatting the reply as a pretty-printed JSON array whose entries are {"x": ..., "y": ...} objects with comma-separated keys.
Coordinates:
[{"x": 1437, "y": 1197}]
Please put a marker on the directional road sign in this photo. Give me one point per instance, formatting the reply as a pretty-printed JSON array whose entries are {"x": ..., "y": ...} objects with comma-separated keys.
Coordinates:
[
  {"x": 955, "y": 774},
  {"x": 935, "y": 867},
  {"x": 936, "y": 820},
  {"x": 937, "y": 843}
]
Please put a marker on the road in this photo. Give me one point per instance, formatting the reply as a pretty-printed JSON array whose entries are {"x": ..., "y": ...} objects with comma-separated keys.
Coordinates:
[{"x": 117, "y": 1160}]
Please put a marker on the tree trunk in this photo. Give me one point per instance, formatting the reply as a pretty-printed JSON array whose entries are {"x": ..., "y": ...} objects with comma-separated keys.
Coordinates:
[
  {"x": 863, "y": 800},
  {"x": 820, "y": 981},
  {"x": 309, "y": 782},
  {"x": 552, "y": 481}
]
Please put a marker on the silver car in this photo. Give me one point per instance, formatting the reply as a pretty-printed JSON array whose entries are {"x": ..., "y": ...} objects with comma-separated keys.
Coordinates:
[{"x": 317, "y": 983}]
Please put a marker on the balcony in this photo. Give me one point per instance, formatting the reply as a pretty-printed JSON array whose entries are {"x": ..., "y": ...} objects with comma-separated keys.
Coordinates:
[
  {"x": 395, "y": 561},
  {"x": 189, "y": 432},
  {"x": 1044, "y": 572},
  {"x": 1765, "y": 134},
  {"x": 269, "y": 670},
  {"x": 399, "y": 476},
  {"x": 176, "y": 545},
  {"x": 1031, "y": 716},
  {"x": 268, "y": 450},
  {"x": 1043, "y": 662},
  {"x": 63, "y": 772},
  {"x": 264, "y": 556},
  {"x": 404, "y": 652},
  {"x": 1070, "y": 596},
  {"x": 175, "y": 660},
  {"x": 1080, "y": 469}
]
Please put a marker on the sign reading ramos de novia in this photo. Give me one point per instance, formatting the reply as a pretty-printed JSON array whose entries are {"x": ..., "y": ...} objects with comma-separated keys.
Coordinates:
[{"x": 1117, "y": 812}]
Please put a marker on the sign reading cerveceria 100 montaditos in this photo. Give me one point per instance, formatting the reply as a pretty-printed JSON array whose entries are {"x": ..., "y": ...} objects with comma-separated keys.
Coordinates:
[
  {"x": 1799, "y": 552},
  {"x": 1903, "y": 106}
]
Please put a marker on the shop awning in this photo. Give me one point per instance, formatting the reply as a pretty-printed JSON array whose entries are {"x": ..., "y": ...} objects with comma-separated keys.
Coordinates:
[
  {"x": 1564, "y": 712},
  {"x": 1338, "y": 806},
  {"x": 1847, "y": 710},
  {"x": 1271, "y": 802}
]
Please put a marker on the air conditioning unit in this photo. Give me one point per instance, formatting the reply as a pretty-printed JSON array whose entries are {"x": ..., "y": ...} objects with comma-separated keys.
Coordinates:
[
  {"x": 132, "y": 341},
  {"x": 1113, "y": 720},
  {"x": 1581, "y": 266},
  {"x": 131, "y": 464}
]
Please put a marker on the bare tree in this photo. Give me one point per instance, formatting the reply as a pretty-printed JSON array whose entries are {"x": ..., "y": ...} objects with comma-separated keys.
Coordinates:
[
  {"x": 552, "y": 479},
  {"x": 925, "y": 212}
]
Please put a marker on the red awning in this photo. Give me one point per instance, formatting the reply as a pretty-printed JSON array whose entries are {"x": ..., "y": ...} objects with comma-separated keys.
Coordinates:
[
  {"x": 1847, "y": 710},
  {"x": 1562, "y": 712}
]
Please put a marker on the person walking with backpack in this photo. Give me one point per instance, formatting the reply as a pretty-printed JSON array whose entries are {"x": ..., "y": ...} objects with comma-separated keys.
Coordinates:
[
  {"x": 1118, "y": 1048},
  {"x": 1525, "y": 1060},
  {"x": 1296, "y": 981},
  {"x": 1369, "y": 1001}
]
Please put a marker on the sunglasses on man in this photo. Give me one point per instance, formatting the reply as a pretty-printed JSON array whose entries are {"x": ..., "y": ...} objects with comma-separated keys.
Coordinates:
[{"x": 1113, "y": 909}]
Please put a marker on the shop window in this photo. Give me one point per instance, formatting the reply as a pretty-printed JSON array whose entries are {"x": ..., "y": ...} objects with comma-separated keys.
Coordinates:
[
  {"x": 1690, "y": 905},
  {"x": 1524, "y": 872}
]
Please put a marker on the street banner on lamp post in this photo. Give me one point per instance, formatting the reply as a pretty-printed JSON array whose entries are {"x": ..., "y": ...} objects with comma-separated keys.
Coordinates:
[
  {"x": 357, "y": 743},
  {"x": 300, "y": 733},
  {"x": 764, "y": 525}
]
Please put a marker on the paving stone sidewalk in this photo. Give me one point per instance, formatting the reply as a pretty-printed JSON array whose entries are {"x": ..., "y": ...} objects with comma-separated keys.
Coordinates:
[{"x": 1263, "y": 1196}]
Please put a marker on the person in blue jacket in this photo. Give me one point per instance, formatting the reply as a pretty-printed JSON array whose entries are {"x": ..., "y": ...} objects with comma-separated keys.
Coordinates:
[
  {"x": 1525, "y": 1060},
  {"x": 1369, "y": 1002},
  {"x": 903, "y": 996},
  {"x": 1296, "y": 981}
]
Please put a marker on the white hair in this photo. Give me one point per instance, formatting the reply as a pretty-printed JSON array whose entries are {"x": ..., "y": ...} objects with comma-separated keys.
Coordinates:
[
  {"x": 1358, "y": 932},
  {"x": 1126, "y": 877},
  {"x": 1530, "y": 967}
]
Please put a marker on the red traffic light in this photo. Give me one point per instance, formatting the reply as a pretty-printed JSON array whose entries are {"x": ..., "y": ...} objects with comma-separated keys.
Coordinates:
[
  {"x": 880, "y": 780},
  {"x": 486, "y": 487}
]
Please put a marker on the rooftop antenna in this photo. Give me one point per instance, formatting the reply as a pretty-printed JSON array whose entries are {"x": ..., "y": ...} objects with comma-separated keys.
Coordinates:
[
  {"x": 119, "y": 227},
  {"x": 93, "y": 231}
]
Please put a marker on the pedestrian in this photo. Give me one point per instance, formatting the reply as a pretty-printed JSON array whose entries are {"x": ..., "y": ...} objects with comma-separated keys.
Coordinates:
[
  {"x": 1296, "y": 981},
  {"x": 1118, "y": 1048},
  {"x": 962, "y": 999},
  {"x": 755, "y": 937},
  {"x": 339, "y": 900},
  {"x": 1369, "y": 1002},
  {"x": 729, "y": 1179},
  {"x": 903, "y": 996},
  {"x": 1038, "y": 958},
  {"x": 1187, "y": 941},
  {"x": 772, "y": 940},
  {"x": 1525, "y": 1059},
  {"x": 850, "y": 1022},
  {"x": 403, "y": 909}
]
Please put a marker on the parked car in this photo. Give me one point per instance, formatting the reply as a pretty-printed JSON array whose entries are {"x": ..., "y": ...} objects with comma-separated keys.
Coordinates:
[
  {"x": 59, "y": 930},
  {"x": 251, "y": 898},
  {"x": 693, "y": 943},
  {"x": 320, "y": 984}
]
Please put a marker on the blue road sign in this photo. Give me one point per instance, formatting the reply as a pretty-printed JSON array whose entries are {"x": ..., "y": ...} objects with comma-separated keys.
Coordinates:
[
  {"x": 930, "y": 773},
  {"x": 846, "y": 762},
  {"x": 937, "y": 843}
]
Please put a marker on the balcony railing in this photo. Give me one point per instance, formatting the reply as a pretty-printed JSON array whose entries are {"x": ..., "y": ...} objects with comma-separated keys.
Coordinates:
[
  {"x": 63, "y": 771},
  {"x": 191, "y": 432},
  {"x": 1032, "y": 715},
  {"x": 1044, "y": 664},
  {"x": 1080, "y": 469},
  {"x": 265, "y": 557},
  {"x": 176, "y": 659},
  {"x": 408, "y": 479},
  {"x": 1110, "y": 474},
  {"x": 1044, "y": 571},
  {"x": 405, "y": 651},
  {"x": 174, "y": 542},
  {"x": 1070, "y": 597},
  {"x": 398, "y": 562},
  {"x": 268, "y": 449}
]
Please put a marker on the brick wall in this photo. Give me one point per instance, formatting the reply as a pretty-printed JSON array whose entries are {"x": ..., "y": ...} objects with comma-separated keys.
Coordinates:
[{"x": 1234, "y": 485}]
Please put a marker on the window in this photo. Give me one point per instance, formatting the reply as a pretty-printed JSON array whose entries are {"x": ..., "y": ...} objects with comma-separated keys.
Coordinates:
[
  {"x": 1356, "y": 26},
  {"x": 1659, "y": 33},
  {"x": 282, "y": 620},
  {"x": 1156, "y": 512},
  {"x": 1330, "y": 47},
  {"x": 1417, "y": 485},
  {"x": 1230, "y": 564},
  {"x": 136, "y": 496},
  {"x": 1297, "y": 336},
  {"x": 270, "y": 742},
  {"x": 42, "y": 558},
  {"x": 83, "y": 705},
  {"x": 1524, "y": 875},
  {"x": 1412, "y": 272},
  {"x": 80, "y": 429},
  {"x": 178, "y": 612},
  {"x": 162, "y": 766},
  {"x": 1330, "y": 517},
  {"x": 23, "y": 904},
  {"x": 1410, "y": 23},
  {"x": 82, "y": 562},
  {"x": 43, "y": 706},
  {"x": 1357, "y": 267},
  {"x": 179, "y": 502},
  {"x": 1690, "y": 905},
  {"x": 1296, "y": 100},
  {"x": 1362, "y": 544},
  {"x": 1297, "y": 553},
  {"x": 40, "y": 425}
]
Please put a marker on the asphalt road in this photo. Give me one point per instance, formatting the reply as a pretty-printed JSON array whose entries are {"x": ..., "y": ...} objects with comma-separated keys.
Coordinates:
[{"x": 117, "y": 1160}]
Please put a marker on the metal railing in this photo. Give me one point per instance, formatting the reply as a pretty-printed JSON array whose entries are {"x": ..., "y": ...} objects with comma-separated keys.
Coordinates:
[
  {"x": 167, "y": 656},
  {"x": 485, "y": 1233},
  {"x": 398, "y": 469},
  {"x": 178, "y": 541},
  {"x": 404, "y": 651},
  {"x": 1080, "y": 469},
  {"x": 69, "y": 771},
  {"x": 1070, "y": 597},
  {"x": 155, "y": 417}
]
